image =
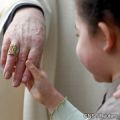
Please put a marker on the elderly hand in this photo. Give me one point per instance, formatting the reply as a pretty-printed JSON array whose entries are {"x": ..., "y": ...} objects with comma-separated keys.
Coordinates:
[
  {"x": 41, "y": 88},
  {"x": 27, "y": 32}
]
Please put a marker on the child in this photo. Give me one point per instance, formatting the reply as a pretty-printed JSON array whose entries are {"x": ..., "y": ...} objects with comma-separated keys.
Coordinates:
[{"x": 98, "y": 48}]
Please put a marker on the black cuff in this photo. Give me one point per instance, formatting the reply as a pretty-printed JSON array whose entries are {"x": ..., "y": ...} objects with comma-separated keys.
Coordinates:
[{"x": 12, "y": 14}]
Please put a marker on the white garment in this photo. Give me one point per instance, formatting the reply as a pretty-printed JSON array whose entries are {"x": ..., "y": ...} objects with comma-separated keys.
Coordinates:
[
  {"x": 59, "y": 61},
  {"x": 33, "y": 110}
]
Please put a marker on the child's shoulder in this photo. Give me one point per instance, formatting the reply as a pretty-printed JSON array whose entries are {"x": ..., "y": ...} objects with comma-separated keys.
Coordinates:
[{"x": 110, "y": 109}]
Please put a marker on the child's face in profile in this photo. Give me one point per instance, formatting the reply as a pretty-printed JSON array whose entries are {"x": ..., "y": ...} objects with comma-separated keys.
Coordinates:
[{"x": 90, "y": 51}]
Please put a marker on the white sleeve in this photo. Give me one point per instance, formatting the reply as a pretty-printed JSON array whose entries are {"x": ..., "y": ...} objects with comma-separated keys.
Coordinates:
[
  {"x": 67, "y": 111},
  {"x": 6, "y": 6}
]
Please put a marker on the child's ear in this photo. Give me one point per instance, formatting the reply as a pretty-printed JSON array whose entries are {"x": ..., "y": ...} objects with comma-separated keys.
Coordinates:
[{"x": 109, "y": 35}]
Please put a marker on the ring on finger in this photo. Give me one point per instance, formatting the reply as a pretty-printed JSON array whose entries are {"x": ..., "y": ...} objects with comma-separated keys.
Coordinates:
[{"x": 13, "y": 50}]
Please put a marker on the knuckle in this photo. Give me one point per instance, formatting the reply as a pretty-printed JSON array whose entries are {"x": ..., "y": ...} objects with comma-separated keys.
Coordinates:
[
  {"x": 38, "y": 41},
  {"x": 22, "y": 57},
  {"x": 32, "y": 67},
  {"x": 32, "y": 59}
]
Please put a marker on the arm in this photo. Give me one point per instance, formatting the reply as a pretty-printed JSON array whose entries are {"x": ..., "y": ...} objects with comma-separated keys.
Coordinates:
[
  {"x": 44, "y": 92},
  {"x": 67, "y": 111}
]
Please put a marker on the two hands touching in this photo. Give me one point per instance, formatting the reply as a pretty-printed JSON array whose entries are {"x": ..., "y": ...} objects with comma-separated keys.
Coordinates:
[
  {"x": 42, "y": 90},
  {"x": 27, "y": 32}
]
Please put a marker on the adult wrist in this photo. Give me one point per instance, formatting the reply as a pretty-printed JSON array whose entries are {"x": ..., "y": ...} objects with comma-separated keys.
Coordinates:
[
  {"x": 17, "y": 8},
  {"x": 20, "y": 14}
]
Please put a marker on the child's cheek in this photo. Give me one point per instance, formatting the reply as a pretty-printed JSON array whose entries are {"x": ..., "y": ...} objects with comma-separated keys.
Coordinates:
[
  {"x": 86, "y": 57},
  {"x": 77, "y": 50},
  {"x": 80, "y": 51}
]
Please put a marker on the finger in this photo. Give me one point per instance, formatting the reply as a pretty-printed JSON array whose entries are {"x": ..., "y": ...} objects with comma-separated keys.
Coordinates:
[
  {"x": 20, "y": 67},
  {"x": 29, "y": 84},
  {"x": 4, "y": 50},
  {"x": 10, "y": 63},
  {"x": 117, "y": 94},
  {"x": 118, "y": 87},
  {"x": 32, "y": 69},
  {"x": 34, "y": 57}
]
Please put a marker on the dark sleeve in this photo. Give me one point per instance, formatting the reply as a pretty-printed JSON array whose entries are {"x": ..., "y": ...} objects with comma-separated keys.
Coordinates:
[{"x": 20, "y": 6}]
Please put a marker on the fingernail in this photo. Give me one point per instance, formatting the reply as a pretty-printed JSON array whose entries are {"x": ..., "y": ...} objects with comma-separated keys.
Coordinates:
[
  {"x": 24, "y": 79},
  {"x": 15, "y": 83},
  {"x": 27, "y": 62},
  {"x": 7, "y": 75}
]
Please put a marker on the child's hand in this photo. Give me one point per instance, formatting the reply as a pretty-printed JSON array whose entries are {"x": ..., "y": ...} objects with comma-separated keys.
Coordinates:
[
  {"x": 41, "y": 88},
  {"x": 117, "y": 93}
]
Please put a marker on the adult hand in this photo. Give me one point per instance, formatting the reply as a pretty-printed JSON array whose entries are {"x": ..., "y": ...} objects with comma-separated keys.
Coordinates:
[{"x": 27, "y": 32}]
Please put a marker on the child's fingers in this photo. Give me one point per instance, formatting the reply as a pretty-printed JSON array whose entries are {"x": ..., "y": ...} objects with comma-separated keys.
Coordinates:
[
  {"x": 32, "y": 68},
  {"x": 117, "y": 94},
  {"x": 118, "y": 87}
]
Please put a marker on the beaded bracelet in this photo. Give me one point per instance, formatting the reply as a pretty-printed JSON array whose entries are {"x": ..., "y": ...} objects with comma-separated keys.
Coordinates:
[{"x": 56, "y": 109}]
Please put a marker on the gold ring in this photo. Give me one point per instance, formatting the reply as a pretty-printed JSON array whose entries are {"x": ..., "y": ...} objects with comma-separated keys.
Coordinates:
[{"x": 13, "y": 50}]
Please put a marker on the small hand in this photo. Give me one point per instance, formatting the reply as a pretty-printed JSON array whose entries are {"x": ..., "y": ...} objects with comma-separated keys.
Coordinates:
[{"x": 41, "y": 88}]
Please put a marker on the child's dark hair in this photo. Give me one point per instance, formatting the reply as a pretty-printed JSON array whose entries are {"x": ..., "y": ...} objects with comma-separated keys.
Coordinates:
[{"x": 94, "y": 11}]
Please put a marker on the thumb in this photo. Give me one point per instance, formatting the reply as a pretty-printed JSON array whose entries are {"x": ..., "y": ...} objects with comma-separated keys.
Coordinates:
[{"x": 32, "y": 68}]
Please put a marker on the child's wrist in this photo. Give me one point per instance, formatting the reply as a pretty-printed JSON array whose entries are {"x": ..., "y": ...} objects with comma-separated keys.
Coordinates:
[
  {"x": 54, "y": 100},
  {"x": 58, "y": 108}
]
